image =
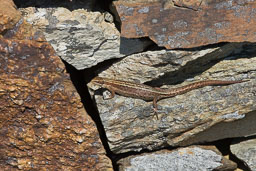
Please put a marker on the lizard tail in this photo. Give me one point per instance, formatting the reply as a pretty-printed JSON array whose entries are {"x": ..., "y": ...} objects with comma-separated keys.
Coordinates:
[{"x": 200, "y": 84}]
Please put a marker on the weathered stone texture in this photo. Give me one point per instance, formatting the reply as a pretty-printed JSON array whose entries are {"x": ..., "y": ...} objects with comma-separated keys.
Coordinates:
[
  {"x": 189, "y": 158},
  {"x": 167, "y": 65},
  {"x": 42, "y": 122},
  {"x": 245, "y": 150},
  {"x": 82, "y": 38},
  {"x": 12, "y": 25},
  {"x": 9, "y": 16},
  {"x": 186, "y": 24},
  {"x": 129, "y": 122}
]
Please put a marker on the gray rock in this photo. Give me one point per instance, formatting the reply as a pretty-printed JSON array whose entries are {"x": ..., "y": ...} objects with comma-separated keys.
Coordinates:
[
  {"x": 245, "y": 151},
  {"x": 166, "y": 65},
  {"x": 183, "y": 159},
  {"x": 185, "y": 119},
  {"x": 82, "y": 38}
]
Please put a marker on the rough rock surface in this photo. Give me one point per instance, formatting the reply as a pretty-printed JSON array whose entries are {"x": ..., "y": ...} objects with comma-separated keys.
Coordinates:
[
  {"x": 189, "y": 158},
  {"x": 166, "y": 65},
  {"x": 82, "y": 38},
  {"x": 184, "y": 24},
  {"x": 129, "y": 122},
  {"x": 12, "y": 25},
  {"x": 245, "y": 150},
  {"x": 239, "y": 128},
  {"x": 9, "y": 16},
  {"x": 43, "y": 124}
]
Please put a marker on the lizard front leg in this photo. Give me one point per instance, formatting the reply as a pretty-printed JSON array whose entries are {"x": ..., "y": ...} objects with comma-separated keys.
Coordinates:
[{"x": 111, "y": 91}]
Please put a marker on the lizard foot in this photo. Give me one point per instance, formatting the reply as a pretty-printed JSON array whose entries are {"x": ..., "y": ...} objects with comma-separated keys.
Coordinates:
[{"x": 155, "y": 113}]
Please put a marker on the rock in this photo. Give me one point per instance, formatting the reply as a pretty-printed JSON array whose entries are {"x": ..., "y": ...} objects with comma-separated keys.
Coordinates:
[
  {"x": 9, "y": 16},
  {"x": 186, "y": 24},
  {"x": 129, "y": 122},
  {"x": 43, "y": 124},
  {"x": 164, "y": 65},
  {"x": 12, "y": 25},
  {"x": 189, "y": 158},
  {"x": 245, "y": 150},
  {"x": 244, "y": 127},
  {"x": 82, "y": 38}
]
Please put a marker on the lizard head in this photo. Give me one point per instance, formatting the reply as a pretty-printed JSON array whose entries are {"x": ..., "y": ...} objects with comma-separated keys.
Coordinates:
[{"x": 98, "y": 81}]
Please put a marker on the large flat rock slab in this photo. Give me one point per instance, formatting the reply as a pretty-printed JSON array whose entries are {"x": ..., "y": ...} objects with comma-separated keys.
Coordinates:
[
  {"x": 81, "y": 38},
  {"x": 189, "y": 159},
  {"x": 186, "y": 24},
  {"x": 184, "y": 119}
]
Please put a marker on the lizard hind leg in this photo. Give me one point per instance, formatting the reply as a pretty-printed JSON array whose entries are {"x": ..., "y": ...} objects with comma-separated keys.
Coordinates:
[{"x": 155, "y": 107}]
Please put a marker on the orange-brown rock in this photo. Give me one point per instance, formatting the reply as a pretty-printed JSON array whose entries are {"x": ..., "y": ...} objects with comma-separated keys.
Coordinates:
[
  {"x": 43, "y": 124},
  {"x": 9, "y": 16},
  {"x": 12, "y": 25},
  {"x": 186, "y": 24}
]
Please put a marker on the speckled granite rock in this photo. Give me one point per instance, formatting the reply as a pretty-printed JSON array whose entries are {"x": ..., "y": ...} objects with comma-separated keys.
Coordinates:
[
  {"x": 189, "y": 159},
  {"x": 129, "y": 122},
  {"x": 245, "y": 150},
  {"x": 82, "y": 38},
  {"x": 43, "y": 124}
]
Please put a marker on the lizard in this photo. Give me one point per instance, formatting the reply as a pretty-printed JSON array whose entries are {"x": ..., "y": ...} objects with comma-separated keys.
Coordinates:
[{"x": 148, "y": 93}]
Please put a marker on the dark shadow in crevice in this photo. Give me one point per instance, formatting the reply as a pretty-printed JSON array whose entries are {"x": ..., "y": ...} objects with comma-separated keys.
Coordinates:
[
  {"x": 153, "y": 46},
  {"x": 248, "y": 51},
  {"x": 129, "y": 46},
  {"x": 80, "y": 78},
  {"x": 142, "y": 152},
  {"x": 104, "y": 4},
  {"x": 204, "y": 47},
  {"x": 246, "y": 46},
  {"x": 97, "y": 5},
  {"x": 224, "y": 147}
]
